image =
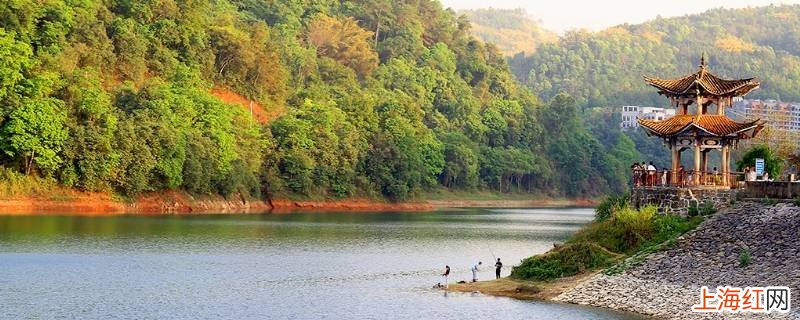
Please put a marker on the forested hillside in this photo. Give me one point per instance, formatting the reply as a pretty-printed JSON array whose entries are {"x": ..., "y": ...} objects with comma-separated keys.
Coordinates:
[
  {"x": 364, "y": 98},
  {"x": 606, "y": 68},
  {"x": 511, "y": 30}
]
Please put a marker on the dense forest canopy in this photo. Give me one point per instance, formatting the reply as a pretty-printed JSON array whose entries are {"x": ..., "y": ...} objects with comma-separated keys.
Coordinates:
[
  {"x": 605, "y": 68},
  {"x": 365, "y": 98}
]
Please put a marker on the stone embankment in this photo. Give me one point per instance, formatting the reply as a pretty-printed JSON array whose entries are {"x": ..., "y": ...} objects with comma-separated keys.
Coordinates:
[
  {"x": 666, "y": 284},
  {"x": 677, "y": 201}
]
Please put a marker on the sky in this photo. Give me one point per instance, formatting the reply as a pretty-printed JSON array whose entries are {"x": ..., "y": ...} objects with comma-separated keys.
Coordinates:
[{"x": 563, "y": 15}]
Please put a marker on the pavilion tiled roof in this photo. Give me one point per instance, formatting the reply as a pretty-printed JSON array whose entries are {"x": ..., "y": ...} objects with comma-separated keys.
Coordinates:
[
  {"x": 718, "y": 125},
  {"x": 706, "y": 82}
]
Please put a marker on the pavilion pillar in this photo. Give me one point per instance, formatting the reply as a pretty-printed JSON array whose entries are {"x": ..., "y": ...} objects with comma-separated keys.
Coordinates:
[
  {"x": 697, "y": 156},
  {"x": 704, "y": 160},
  {"x": 725, "y": 162},
  {"x": 701, "y": 108},
  {"x": 682, "y": 106},
  {"x": 676, "y": 163}
]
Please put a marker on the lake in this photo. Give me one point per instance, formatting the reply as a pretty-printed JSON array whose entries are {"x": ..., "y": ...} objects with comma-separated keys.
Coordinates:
[{"x": 274, "y": 266}]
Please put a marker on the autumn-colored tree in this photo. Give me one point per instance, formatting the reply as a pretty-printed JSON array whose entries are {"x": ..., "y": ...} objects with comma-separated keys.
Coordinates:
[
  {"x": 344, "y": 41},
  {"x": 247, "y": 61},
  {"x": 733, "y": 44}
]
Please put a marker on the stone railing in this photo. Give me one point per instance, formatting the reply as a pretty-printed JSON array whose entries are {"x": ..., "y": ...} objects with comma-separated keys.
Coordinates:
[{"x": 772, "y": 189}]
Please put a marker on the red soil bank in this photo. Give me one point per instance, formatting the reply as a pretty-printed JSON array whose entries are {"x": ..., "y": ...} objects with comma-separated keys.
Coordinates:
[{"x": 176, "y": 202}]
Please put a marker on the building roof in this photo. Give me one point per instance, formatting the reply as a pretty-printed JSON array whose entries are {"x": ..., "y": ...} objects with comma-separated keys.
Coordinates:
[
  {"x": 705, "y": 82},
  {"x": 716, "y": 125}
]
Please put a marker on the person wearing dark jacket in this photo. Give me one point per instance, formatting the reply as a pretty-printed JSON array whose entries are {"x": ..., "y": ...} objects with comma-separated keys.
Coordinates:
[
  {"x": 497, "y": 267},
  {"x": 446, "y": 276}
]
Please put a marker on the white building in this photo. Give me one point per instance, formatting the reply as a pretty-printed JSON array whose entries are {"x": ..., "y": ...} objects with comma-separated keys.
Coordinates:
[{"x": 631, "y": 113}]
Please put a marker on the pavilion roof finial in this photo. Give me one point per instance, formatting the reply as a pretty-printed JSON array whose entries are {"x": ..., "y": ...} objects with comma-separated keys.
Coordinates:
[{"x": 703, "y": 60}]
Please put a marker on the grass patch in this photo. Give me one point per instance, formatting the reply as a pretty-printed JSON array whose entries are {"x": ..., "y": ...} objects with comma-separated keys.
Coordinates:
[
  {"x": 625, "y": 233},
  {"x": 14, "y": 184},
  {"x": 708, "y": 208},
  {"x": 744, "y": 258},
  {"x": 566, "y": 260},
  {"x": 797, "y": 202},
  {"x": 770, "y": 201},
  {"x": 610, "y": 204}
]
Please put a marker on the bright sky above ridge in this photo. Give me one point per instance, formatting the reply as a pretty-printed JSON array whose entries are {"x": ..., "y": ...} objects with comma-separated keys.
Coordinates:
[{"x": 562, "y": 15}]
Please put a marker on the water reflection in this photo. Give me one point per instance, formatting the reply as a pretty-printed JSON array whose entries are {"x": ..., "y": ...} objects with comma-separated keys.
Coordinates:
[{"x": 281, "y": 266}]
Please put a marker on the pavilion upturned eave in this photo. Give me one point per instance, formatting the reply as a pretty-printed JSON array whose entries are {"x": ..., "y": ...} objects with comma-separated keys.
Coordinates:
[
  {"x": 712, "y": 125},
  {"x": 705, "y": 82}
]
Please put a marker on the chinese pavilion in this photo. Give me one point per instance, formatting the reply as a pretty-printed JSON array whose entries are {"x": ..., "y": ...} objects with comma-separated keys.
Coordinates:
[{"x": 707, "y": 129}]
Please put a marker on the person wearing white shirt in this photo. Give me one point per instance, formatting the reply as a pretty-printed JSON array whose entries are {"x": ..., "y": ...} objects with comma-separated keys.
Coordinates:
[
  {"x": 749, "y": 174},
  {"x": 474, "y": 270},
  {"x": 651, "y": 174}
]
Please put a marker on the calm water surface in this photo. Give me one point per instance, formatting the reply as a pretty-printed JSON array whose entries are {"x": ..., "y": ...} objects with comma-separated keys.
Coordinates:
[{"x": 273, "y": 266}]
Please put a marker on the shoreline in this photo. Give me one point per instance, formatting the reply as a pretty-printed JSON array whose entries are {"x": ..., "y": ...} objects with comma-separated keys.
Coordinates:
[
  {"x": 175, "y": 202},
  {"x": 548, "y": 291},
  {"x": 522, "y": 289},
  {"x": 666, "y": 283}
]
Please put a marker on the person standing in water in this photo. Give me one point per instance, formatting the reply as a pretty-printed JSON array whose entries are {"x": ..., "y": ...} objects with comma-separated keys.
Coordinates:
[
  {"x": 475, "y": 271},
  {"x": 446, "y": 275},
  {"x": 497, "y": 267}
]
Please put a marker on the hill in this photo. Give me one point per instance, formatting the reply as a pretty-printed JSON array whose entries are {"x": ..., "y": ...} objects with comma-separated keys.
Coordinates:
[
  {"x": 300, "y": 99},
  {"x": 605, "y": 68},
  {"x": 511, "y": 30}
]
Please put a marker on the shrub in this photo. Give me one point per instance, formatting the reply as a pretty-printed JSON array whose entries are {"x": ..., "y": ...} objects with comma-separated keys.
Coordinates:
[
  {"x": 744, "y": 258},
  {"x": 564, "y": 261},
  {"x": 797, "y": 202},
  {"x": 773, "y": 162},
  {"x": 13, "y": 183},
  {"x": 693, "y": 209},
  {"x": 623, "y": 233},
  {"x": 636, "y": 225},
  {"x": 610, "y": 204},
  {"x": 708, "y": 208},
  {"x": 770, "y": 201},
  {"x": 602, "y": 243}
]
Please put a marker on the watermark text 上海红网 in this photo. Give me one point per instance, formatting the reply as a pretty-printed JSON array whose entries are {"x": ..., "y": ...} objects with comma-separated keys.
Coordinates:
[{"x": 748, "y": 299}]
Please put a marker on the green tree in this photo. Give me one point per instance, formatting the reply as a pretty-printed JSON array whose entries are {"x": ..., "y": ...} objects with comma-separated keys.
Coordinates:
[
  {"x": 35, "y": 134},
  {"x": 89, "y": 156},
  {"x": 773, "y": 164},
  {"x": 15, "y": 59}
]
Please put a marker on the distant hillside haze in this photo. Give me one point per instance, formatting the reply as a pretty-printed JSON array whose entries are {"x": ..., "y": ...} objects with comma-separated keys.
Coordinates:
[
  {"x": 605, "y": 68},
  {"x": 511, "y": 30}
]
